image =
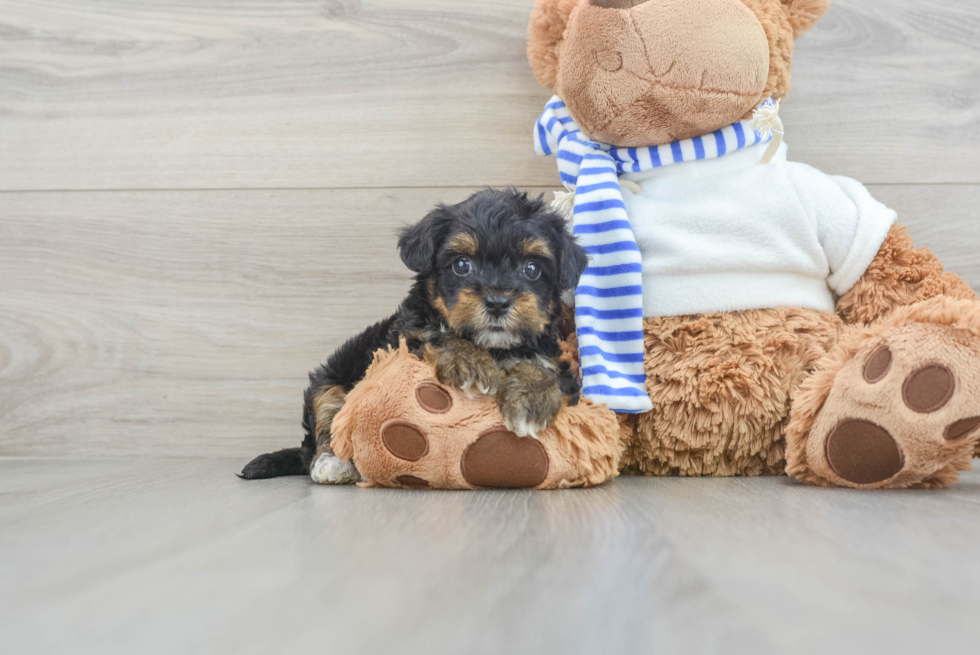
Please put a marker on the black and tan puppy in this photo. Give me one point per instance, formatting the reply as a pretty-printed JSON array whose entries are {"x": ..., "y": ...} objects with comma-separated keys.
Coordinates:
[{"x": 485, "y": 308}]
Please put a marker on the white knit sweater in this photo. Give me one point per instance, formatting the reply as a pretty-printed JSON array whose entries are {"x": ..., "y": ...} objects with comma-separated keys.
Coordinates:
[{"x": 729, "y": 234}]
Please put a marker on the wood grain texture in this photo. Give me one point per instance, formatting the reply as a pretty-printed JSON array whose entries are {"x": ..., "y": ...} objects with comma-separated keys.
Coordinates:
[
  {"x": 112, "y": 94},
  {"x": 156, "y": 321},
  {"x": 888, "y": 91},
  {"x": 184, "y": 323},
  {"x": 179, "y": 556}
]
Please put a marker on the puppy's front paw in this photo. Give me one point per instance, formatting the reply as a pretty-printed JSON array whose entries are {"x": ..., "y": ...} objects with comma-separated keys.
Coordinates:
[
  {"x": 464, "y": 366},
  {"x": 529, "y": 399}
]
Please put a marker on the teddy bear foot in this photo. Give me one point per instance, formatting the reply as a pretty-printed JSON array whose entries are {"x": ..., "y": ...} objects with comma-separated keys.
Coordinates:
[
  {"x": 900, "y": 403},
  {"x": 406, "y": 429},
  {"x": 330, "y": 469}
]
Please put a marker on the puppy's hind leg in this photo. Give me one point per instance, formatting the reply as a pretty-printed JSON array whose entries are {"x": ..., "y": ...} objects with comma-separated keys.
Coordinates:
[
  {"x": 315, "y": 456},
  {"x": 326, "y": 467},
  {"x": 330, "y": 469},
  {"x": 325, "y": 396},
  {"x": 289, "y": 461},
  {"x": 321, "y": 402}
]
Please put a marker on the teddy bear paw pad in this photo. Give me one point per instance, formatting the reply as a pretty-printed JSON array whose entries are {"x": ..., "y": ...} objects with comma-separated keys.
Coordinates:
[
  {"x": 501, "y": 459},
  {"x": 903, "y": 412},
  {"x": 433, "y": 398},
  {"x": 405, "y": 441},
  {"x": 862, "y": 452}
]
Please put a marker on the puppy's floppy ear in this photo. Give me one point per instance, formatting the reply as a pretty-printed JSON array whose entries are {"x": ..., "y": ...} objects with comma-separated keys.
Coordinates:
[
  {"x": 417, "y": 244},
  {"x": 572, "y": 259}
]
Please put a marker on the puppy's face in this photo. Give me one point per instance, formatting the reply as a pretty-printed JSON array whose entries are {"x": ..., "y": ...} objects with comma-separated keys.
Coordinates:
[
  {"x": 496, "y": 289},
  {"x": 494, "y": 266}
]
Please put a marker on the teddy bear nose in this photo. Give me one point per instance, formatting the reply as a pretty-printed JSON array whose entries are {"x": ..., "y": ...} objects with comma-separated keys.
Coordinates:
[
  {"x": 497, "y": 306},
  {"x": 616, "y": 4}
]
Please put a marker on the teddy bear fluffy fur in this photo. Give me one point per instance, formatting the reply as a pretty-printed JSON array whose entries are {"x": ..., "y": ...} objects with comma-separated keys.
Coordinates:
[
  {"x": 760, "y": 392},
  {"x": 880, "y": 393}
]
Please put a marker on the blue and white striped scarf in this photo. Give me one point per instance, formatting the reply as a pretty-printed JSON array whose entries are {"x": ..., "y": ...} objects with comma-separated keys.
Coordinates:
[{"x": 609, "y": 297}]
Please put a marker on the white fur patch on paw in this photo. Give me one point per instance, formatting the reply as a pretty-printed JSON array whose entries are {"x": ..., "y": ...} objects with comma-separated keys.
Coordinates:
[
  {"x": 524, "y": 428},
  {"x": 330, "y": 469}
]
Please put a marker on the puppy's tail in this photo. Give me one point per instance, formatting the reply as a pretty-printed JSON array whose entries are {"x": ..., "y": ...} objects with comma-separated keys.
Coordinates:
[{"x": 290, "y": 461}]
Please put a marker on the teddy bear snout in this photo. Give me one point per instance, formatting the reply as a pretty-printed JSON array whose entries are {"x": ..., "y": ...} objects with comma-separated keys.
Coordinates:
[
  {"x": 633, "y": 71},
  {"x": 711, "y": 45}
]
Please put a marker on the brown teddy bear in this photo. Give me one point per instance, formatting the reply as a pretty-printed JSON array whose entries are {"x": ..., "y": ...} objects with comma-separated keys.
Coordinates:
[
  {"x": 745, "y": 314},
  {"x": 788, "y": 324}
]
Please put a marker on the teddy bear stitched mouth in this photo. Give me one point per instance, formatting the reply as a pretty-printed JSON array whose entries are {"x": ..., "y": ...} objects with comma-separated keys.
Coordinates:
[
  {"x": 655, "y": 81},
  {"x": 671, "y": 135},
  {"x": 616, "y": 4}
]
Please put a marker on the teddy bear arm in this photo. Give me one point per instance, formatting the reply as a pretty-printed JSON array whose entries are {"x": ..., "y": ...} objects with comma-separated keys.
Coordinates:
[{"x": 899, "y": 275}]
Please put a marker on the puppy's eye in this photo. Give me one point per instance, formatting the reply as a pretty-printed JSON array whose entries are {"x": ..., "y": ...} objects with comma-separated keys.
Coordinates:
[
  {"x": 531, "y": 270},
  {"x": 462, "y": 266}
]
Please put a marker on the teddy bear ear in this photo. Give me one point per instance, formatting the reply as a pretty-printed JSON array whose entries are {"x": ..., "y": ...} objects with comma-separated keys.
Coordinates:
[
  {"x": 545, "y": 33},
  {"x": 803, "y": 14}
]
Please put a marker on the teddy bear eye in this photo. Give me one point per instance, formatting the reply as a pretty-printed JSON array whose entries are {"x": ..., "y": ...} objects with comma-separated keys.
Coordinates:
[
  {"x": 532, "y": 271},
  {"x": 462, "y": 266},
  {"x": 610, "y": 60}
]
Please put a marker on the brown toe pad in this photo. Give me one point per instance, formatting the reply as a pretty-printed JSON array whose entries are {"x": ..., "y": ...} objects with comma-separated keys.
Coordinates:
[
  {"x": 433, "y": 398},
  {"x": 961, "y": 428},
  {"x": 928, "y": 389},
  {"x": 405, "y": 441},
  {"x": 501, "y": 459},
  {"x": 878, "y": 365},
  {"x": 862, "y": 452}
]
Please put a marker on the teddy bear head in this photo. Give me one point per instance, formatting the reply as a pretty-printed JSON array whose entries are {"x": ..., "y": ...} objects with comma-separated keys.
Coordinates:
[{"x": 648, "y": 72}]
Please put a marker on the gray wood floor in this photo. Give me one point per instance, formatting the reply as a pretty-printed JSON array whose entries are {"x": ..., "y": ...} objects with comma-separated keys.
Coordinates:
[
  {"x": 197, "y": 203},
  {"x": 156, "y": 555}
]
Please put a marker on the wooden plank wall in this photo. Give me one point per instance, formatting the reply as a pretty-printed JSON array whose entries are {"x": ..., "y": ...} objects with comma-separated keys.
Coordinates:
[{"x": 197, "y": 198}]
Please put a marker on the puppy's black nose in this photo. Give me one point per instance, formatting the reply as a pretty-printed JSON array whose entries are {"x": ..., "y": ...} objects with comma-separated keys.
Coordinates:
[{"x": 497, "y": 306}]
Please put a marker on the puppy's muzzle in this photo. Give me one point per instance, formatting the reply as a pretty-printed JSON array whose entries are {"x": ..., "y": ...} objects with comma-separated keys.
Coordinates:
[{"x": 497, "y": 306}]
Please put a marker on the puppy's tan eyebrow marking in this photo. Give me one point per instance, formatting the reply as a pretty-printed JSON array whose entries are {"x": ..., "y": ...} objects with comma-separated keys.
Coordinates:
[
  {"x": 537, "y": 247},
  {"x": 464, "y": 243}
]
